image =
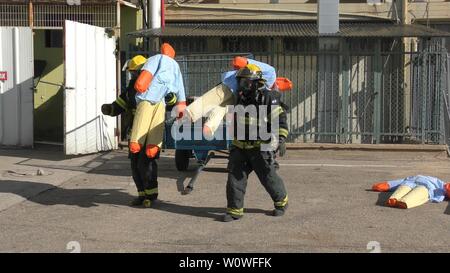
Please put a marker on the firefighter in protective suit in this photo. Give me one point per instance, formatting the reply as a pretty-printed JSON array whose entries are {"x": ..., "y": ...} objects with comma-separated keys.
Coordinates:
[
  {"x": 160, "y": 76},
  {"x": 247, "y": 153},
  {"x": 144, "y": 171}
]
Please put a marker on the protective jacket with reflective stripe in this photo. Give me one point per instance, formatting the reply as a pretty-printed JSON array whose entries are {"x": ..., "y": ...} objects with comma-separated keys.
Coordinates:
[{"x": 274, "y": 113}]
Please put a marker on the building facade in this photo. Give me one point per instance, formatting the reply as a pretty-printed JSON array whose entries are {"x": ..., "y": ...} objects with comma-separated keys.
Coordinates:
[
  {"x": 46, "y": 19},
  {"x": 357, "y": 86}
]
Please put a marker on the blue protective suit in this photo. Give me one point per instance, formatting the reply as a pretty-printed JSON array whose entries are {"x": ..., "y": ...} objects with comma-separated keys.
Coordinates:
[{"x": 166, "y": 78}]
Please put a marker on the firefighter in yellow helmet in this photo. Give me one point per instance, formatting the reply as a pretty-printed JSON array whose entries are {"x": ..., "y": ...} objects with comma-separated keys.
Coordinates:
[{"x": 144, "y": 172}]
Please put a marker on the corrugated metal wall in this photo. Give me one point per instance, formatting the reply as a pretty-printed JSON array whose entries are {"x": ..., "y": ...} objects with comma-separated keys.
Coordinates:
[
  {"x": 16, "y": 93},
  {"x": 90, "y": 73}
]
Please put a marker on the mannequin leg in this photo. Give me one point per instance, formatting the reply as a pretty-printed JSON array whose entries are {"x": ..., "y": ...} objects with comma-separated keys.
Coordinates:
[
  {"x": 401, "y": 191},
  {"x": 141, "y": 124},
  {"x": 214, "y": 97},
  {"x": 155, "y": 130},
  {"x": 418, "y": 196}
]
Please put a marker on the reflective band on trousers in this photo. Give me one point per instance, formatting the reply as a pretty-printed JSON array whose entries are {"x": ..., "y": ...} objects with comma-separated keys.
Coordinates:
[
  {"x": 282, "y": 203},
  {"x": 235, "y": 211},
  {"x": 151, "y": 191},
  {"x": 141, "y": 193}
]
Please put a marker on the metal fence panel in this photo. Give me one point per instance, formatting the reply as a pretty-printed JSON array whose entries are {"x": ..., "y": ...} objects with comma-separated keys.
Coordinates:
[
  {"x": 53, "y": 15},
  {"x": 16, "y": 93},
  {"x": 203, "y": 71},
  {"x": 378, "y": 94}
]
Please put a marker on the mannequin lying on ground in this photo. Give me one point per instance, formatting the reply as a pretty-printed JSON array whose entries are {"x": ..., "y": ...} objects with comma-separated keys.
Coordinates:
[{"x": 414, "y": 191}]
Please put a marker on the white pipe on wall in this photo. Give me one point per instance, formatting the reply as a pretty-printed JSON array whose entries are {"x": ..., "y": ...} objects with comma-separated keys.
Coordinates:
[{"x": 155, "y": 13}]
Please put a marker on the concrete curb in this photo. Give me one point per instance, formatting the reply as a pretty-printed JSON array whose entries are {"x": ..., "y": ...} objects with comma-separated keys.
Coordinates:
[
  {"x": 361, "y": 147},
  {"x": 365, "y": 147}
]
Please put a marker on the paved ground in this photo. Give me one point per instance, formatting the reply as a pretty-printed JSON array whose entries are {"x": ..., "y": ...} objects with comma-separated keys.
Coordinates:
[{"x": 85, "y": 199}]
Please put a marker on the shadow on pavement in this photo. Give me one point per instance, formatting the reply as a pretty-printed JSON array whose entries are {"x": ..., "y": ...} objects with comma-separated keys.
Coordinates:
[
  {"x": 447, "y": 210},
  {"x": 87, "y": 198},
  {"x": 59, "y": 196},
  {"x": 208, "y": 212},
  {"x": 382, "y": 198}
]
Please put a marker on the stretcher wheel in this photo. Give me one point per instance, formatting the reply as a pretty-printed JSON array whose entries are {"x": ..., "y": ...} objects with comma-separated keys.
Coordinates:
[{"x": 182, "y": 159}]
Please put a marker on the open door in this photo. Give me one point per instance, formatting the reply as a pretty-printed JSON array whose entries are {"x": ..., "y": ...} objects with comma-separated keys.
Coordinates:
[{"x": 90, "y": 81}]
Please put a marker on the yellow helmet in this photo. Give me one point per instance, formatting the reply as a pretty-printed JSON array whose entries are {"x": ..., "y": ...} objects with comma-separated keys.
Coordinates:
[
  {"x": 250, "y": 71},
  {"x": 136, "y": 63}
]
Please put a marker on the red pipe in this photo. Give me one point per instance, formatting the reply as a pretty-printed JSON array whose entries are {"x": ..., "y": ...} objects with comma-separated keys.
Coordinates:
[{"x": 163, "y": 19}]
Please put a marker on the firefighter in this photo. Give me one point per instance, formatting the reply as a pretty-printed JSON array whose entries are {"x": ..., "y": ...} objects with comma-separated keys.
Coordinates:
[
  {"x": 246, "y": 153},
  {"x": 142, "y": 173},
  {"x": 160, "y": 76}
]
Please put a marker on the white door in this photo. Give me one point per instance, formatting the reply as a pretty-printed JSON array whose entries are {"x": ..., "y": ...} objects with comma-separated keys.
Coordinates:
[
  {"x": 16, "y": 86},
  {"x": 90, "y": 81}
]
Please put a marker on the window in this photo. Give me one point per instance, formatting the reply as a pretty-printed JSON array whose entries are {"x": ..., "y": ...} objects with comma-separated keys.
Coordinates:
[{"x": 53, "y": 38}]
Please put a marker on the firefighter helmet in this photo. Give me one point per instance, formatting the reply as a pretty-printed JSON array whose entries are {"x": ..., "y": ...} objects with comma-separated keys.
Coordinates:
[
  {"x": 136, "y": 63},
  {"x": 251, "y": 72}
]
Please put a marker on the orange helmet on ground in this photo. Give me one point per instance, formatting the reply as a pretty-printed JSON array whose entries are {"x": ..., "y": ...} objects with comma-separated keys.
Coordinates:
[{"x": 447, "y": 189}]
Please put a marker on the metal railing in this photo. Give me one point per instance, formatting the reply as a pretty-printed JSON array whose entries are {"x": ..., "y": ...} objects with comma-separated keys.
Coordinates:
[
  {"x": 50, "y": 16},
  {"x": 14, "y": 15}
]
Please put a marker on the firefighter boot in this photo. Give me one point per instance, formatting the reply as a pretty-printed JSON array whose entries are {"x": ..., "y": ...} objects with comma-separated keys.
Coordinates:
[
  {"x": 147, "y": 203},
  {"x": 279, "y": 211},
  {"x": 228, "y": 217},
  {"x": 138, "y": 201}
]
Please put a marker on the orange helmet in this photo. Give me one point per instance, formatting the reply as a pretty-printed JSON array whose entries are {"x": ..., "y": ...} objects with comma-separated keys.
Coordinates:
[
  {"x": 167, "y": 49},
  {"x": 239, "y": 62},
  {"x": 447, "y": 189}
]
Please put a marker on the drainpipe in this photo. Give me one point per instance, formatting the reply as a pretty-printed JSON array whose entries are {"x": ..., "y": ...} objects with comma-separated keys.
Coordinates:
[
  {"x": 155, "y": 13},
  {"x": 155, "y": 20},
  {"x": 30, "y": 14},
  {"x": 405, "y": 12},
  {"x": 408, "y": 44},
  {"x": 163, "y": 15},
  {"x": 118, "y": 69}
]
